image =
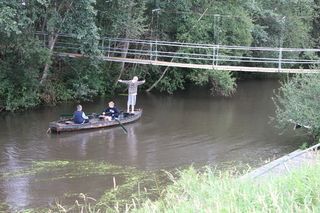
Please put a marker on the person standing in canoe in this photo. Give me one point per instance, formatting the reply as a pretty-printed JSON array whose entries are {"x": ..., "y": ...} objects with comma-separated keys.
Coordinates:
[
  {"x": 132, "y": 92},
  {"x": 79, "y": 117}
]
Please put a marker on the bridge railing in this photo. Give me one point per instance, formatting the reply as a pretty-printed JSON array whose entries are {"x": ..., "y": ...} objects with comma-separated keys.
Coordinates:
[{"x": 195, "y": 53}]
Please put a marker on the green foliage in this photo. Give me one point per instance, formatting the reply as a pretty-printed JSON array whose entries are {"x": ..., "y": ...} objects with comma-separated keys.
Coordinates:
[
  {"x": 304, "y": 145},
  {"x": 173, "y": 81},
  {"x": 203, "y": 23},
  {"x": 83, "y": 79},
  {"x": 297, "y": 101},
  {"x": 23, "y": 57},
  {"x": 76, "y": 79},
  {"x": 122, "y": 18},
  {"x": 195, "y": 192},
  {"x": 286, "y": 21},
  {"x": 19, "y": 72},
  {"x": 59, "y": 168},
  {"x": 222, "y": 81},
  {"x": 13, "y": 17}
]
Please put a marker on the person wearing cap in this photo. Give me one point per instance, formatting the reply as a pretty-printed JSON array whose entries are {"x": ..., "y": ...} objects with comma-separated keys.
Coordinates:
[{"x": 132, "y": 92}]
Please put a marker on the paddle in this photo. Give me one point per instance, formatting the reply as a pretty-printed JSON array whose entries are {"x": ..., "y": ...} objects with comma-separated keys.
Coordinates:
[{"x": 123, "y": 128}]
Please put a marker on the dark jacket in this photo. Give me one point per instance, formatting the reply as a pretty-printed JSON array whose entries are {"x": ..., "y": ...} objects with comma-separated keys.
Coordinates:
[{"x": 113, "y": 112}]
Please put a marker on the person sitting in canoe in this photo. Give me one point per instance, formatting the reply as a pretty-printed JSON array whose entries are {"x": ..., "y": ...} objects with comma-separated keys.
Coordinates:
[
  {"x": 111, "y": 112},
  {"x": 79, "y": 117},
  {"x": 132, "y": 92}
]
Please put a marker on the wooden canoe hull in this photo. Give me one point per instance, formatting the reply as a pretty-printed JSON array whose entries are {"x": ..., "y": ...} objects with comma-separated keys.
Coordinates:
[{"x": 95, "y": 123}]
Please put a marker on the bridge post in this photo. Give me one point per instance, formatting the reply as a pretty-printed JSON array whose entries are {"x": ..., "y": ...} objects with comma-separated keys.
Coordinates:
[
  {"x": 217, "y": 55},
  {"x": 102, "y": 44},
  {"x": 280, "y": 60},
  {"x": 213, "y": 56},
  {"x": 151, "y": 48},
  {"x": 109, "y": 47},
  {"x": 44, "y": 40},
  {"x": 156, "y": 51}
]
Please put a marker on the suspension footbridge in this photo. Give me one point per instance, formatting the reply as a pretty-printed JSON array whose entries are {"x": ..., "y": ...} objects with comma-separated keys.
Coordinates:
[{"x": 196, "y": 55}]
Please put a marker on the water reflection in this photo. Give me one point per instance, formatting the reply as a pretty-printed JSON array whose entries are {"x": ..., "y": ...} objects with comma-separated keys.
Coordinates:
[{"x": 132, "y": 144}]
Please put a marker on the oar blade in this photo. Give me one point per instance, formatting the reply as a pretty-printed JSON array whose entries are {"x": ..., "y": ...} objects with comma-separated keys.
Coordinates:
[{"x": 123, "y": 128}]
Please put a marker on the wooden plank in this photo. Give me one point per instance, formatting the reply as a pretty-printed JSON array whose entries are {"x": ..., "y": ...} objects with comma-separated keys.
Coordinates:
[{"x": 197, "y": 66}]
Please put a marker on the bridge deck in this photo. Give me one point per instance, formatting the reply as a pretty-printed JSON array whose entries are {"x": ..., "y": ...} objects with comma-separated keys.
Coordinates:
[{"x": 197, "y": 66}]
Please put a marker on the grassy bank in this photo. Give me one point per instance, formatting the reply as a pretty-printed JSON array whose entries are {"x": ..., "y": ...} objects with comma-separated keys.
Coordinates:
[
  {"x": 194, "y": 191},
  {"x": 209, "y": 192}
]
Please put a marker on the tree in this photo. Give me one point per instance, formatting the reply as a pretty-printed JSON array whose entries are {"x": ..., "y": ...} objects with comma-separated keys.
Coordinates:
[
  {"x": 297, "y": 102},
  {"x": 75, "y": 17},
  {"x": 21, "y": 56},
  {"x": 22, "y": 59}
]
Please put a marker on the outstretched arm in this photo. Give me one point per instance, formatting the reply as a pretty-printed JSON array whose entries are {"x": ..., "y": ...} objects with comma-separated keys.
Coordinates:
[
  {"x": 122, "y": 81},
  {"x": 141, "y": 82}
]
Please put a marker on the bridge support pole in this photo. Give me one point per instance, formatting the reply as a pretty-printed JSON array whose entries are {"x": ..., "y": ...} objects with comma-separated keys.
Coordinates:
[
  {"x": 217, "y": 55},
  {"x": 280, "y": 60},
  {"x": 102, "y": 44},
  {"x": 213, "y": 56},
  {"x": 156, "y": 51},
  {"x": 151, "y": 49},
  {"x": 109, "y": 47}
]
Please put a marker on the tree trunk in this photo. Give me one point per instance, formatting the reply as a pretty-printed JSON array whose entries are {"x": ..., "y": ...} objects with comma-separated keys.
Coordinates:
[
  {"x": 123, "y": 55},
  {"x": 52, "y": 40}
]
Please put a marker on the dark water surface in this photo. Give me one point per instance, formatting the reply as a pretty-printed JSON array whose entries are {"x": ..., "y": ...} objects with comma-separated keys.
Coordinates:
[{"x": 178, "y": 130}]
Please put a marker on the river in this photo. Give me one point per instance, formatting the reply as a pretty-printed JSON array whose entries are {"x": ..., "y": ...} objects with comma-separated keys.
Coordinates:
[{"x": 190, "y": 127}]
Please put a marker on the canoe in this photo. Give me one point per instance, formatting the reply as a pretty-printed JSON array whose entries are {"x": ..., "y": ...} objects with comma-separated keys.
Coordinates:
[{"x": 68, "y": 125}]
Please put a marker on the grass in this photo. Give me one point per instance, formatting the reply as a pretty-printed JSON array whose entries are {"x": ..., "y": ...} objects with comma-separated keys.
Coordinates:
[
  {"x": 209, "y": 192},
  {"x": 214, "y": 191}
]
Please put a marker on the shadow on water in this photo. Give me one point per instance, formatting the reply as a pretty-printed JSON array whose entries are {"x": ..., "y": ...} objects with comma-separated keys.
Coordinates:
[{"x": 190, "y": 127}]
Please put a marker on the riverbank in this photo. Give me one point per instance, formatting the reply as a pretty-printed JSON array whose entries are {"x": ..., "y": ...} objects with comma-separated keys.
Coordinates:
[
  {"x": 211, "y": 190},
  {"x": 207, "y": 191}
]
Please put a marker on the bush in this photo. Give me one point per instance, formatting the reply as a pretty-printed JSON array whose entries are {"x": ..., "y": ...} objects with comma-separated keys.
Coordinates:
[
  {"x": 19, "y": 72},
  {"x": 297, "y": 101}
]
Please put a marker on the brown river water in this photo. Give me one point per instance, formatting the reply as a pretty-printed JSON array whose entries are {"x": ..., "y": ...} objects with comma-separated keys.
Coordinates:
[{"x": 175, "y": 131}]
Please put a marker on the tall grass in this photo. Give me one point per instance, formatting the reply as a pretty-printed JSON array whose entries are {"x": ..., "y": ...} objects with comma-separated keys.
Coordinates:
[{"x": 208, "y": 192}]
